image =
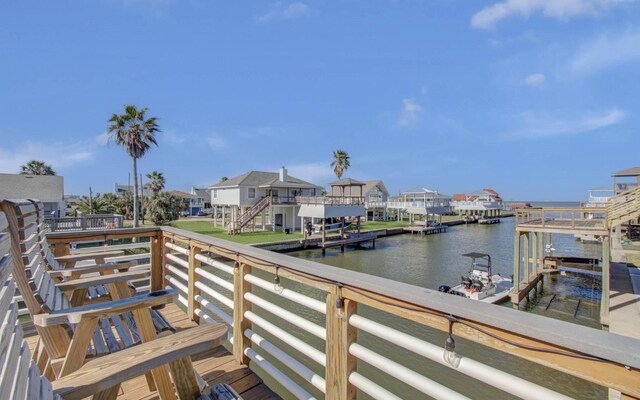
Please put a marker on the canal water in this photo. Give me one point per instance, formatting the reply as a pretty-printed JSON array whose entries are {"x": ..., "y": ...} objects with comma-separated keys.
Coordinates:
[{"x": 429, "y": 261}]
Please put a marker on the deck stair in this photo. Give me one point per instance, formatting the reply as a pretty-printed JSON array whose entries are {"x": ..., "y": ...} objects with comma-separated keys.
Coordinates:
[
  {"x": 624, "y": 207},
  {"x": 248, "y": 216}
]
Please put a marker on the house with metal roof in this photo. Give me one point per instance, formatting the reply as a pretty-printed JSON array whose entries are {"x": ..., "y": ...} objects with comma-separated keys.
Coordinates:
[
  {"x": 419, "y": 201},
  {"x": 267, "y": 199},
  {"x": 485, "y": 202}
]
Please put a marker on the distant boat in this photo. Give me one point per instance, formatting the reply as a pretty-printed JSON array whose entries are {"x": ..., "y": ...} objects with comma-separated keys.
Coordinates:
[
  {"x": 479, "y": 284},
  {"x": 331, "y": 224}
]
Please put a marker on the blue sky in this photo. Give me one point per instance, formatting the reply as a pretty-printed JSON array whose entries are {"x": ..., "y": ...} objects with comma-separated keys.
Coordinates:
[{"x": 537, "y": 99}]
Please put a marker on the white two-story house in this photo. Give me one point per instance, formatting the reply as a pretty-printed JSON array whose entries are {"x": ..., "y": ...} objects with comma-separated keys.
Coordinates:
[{"x": 260, "y": 199}]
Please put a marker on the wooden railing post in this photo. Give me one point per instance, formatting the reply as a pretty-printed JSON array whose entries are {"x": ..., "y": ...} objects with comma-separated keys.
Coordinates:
[
  {"x": 157, "y": 261},
  {"x": 193, "y": 291},
  {"x": 340, "y": 335},
  {"x": 240, "y": 305}
]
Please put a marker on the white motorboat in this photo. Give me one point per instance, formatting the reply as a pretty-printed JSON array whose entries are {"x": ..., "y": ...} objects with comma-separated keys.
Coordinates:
[
  {"x": 331, "y": 224},
  {"x": 480, "y": 284}
]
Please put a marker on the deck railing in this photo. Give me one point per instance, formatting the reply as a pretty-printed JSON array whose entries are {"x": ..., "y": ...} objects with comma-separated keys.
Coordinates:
[
  {"x": 624, "y": 207},
  {"x": 563, "y": 218},
  {"x": 320, "y": 331},
  {"x": 331, "y": 200},
  {"x": 83, "y": 222}
]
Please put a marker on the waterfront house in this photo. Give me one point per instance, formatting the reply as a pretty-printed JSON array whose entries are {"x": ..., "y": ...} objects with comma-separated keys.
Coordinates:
[
  {"x": 268, "y": 195},
  {"x": 205, "y": 195},
  {"x": 485, "y": 202},
  {"x": 196, "y": 203},
  {"x": 419, "y": 201},
  {"x": 375, "y": 200},
  {"x": 49, "y": 189}
]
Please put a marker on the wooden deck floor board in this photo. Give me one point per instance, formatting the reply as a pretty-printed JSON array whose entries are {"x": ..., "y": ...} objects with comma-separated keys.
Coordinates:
[{"x": 215, "y": 366}]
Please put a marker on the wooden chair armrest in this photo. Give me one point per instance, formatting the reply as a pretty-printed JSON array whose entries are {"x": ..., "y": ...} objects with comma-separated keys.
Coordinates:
[
  {"x": 89, "y": 256},
  {"x": 105, "y": 372},
  {"x": 105, "y": 309},
  {"x": 108, "y": 267},
  {"x": 83, "y": 283}
]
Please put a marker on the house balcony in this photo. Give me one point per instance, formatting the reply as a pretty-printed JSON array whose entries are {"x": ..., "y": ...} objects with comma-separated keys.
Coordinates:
[
  {"x": 331, "y": 200},
  {"x": 304, "y": 331}
]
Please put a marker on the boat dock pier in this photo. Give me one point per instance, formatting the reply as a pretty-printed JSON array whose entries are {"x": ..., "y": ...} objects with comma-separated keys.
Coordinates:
[
  {"x": 489, "y": 220},
  {"x": 533, "y": 249},
  {"x": 425, "y": 230},
  {"x": 353, "y": 239}
]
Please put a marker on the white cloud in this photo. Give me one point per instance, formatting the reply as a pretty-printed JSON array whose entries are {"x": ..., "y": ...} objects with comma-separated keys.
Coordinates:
[
  {"x": 489, "y": 16},
  {"x": 534, "y": 80},
  {"x": 217, "y": 143},
  {"x": 103, "y": 138},
  {"x": 537, "y": 126},
  {"x": 170, "y": 136},
  {"x": 607, "y": 51},
  {"x": 282, "y": 11},
  {"x": 58, "y": 155},
  {"x": 410, "y": 114}
]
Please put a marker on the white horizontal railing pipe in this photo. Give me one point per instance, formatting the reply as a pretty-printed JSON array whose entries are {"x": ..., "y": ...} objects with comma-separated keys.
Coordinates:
[
  {"x": 214, "y": 263},
  {"x": 216, "y": 295},
  {"x": 403, "y": 374},
  {"x": 216, "y": 310},
  {"x": 308, "y": 326},
  {"x": 177, "y": 260},
  {"x": 484, "y": 373},
  {"x": 175, "y": 271},
  {"x": 176, "y": 284},
  {"x": 276, "y": 374},
  {"x": 371, "y": 388},
  {"x": 289, "y": 294},
  {"x": 204, "y": 317},
  {"x": 294, "y": 365},
  {"x": 308, "y": 350},
  {"x": 215, "y": 279},
  {"x": 177, "y": 248}
]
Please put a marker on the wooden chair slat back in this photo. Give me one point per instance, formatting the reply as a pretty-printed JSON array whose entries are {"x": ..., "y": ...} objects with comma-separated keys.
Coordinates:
[{"x": 19, "y": 375}]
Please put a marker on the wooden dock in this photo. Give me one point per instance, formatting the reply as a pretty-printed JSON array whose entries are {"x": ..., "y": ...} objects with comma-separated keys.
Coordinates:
[
  {"x": 214, "y": 366},
  {"x": 350, "y": 239},
  {"x": 425, "y": 230}
]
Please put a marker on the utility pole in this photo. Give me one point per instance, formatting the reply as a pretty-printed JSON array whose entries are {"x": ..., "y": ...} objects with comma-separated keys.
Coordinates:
[{"x": 90, "y": 201}]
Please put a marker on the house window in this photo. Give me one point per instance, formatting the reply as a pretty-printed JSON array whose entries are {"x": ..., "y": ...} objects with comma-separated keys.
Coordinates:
[
  {"x": 252, "y": 193},
  {"x": 215, "y": 194}
]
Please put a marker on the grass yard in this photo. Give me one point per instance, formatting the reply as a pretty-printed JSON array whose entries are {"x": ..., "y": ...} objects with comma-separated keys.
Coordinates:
[{"x": 207, "y": 228}]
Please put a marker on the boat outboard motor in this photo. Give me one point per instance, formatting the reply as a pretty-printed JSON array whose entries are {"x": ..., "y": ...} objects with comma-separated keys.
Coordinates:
[
  {"x": 444, "y": 288},
  {"x": 477, "y": 285},
  {"x": 465, "y": 281}
]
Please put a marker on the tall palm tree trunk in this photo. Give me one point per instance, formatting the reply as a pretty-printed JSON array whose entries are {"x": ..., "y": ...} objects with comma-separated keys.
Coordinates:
[{"x": 135, "y": 193}]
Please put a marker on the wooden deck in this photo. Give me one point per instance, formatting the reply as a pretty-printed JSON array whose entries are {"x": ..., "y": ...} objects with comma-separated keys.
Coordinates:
[
  {"x": 593, "y": 226},
  {"x": 215, "y": 366}
]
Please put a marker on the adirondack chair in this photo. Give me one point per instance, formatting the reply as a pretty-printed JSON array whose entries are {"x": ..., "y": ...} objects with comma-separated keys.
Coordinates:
[
  {"x": 20, "y": 377},
  {"x": 68, "y": 335},
  {"x": 30, "y": 216}
]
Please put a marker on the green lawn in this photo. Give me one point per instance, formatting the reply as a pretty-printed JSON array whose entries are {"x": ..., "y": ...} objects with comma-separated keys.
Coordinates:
[{"x": 207, "y": 228}]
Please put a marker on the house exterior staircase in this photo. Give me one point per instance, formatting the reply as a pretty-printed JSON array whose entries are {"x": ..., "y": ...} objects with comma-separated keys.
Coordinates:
[
  {"x": 247, "y": 217},
  {"x": 623, "y": 207}
]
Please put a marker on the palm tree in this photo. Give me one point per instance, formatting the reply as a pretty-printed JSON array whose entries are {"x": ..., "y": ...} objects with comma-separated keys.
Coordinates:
[
  {"x": 136, "y": 135},
  {"x": 157, "y": 182},
  {"x": 35, "y": 167},
  {"x": 340, "y": 162}
]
